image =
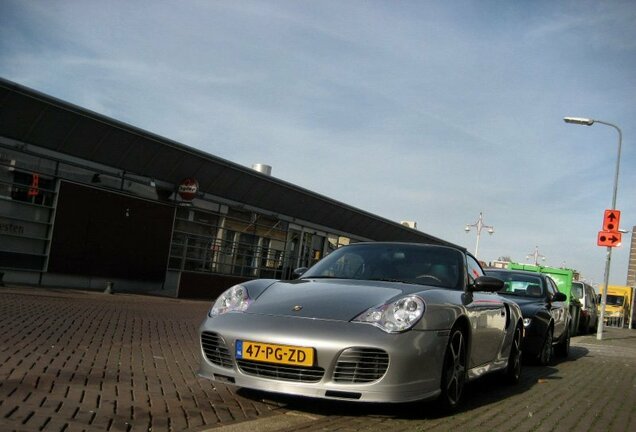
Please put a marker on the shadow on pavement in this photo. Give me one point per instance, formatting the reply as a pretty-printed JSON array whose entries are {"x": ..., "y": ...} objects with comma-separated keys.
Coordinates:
[
  {"x": 483, "y": 391},
  {"x": 576, "y": 353}
]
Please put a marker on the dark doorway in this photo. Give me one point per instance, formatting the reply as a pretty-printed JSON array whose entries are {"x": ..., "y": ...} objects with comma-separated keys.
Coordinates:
[{"x": 106, "y": 234}]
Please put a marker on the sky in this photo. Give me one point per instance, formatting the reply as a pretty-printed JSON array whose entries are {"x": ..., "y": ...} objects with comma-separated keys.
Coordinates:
[{"x": 429, "y": 111}]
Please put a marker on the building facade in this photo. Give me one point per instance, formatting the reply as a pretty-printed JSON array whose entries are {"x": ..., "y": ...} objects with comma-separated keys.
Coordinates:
[
  {"x": 631, "y": 266},
  {"x": 87, "y": 201}
]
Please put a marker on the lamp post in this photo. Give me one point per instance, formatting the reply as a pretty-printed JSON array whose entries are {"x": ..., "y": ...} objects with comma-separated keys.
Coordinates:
[
  {"x": 479, "y": 225},
  {"x": 536, "y": 255},
  {"x": 608, "y": 259}
]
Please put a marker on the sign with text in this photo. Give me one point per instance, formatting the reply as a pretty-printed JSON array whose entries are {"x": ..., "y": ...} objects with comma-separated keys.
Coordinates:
[
  {"x": 188, "y": 188},
  {"x": 34, "y": 190}
]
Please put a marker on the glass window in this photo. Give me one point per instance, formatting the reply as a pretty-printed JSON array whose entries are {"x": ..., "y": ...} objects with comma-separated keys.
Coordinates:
[
  {"x": 33, "y": 188},
  {"x": 552, "y": 288},
  {"x": 27, "y": 194},
  {"x": 348, "y": 265},
  {"x": 614, "y": 300},
  {"x": 241, "y": 243},
  {"x": 591, "y": 295},
  {"x": 332, "y": 243},
  {"x": 415, "y": 264},
  {"x": 474, "y": 269},
  {"x": 519, "y": 284},
  {"x": 343, "y": 241}
]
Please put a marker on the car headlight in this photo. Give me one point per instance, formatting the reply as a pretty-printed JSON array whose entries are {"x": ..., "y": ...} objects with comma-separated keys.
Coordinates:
[
  {"x": 527, "y": 322},
  {"x": 394, "y": 317},
  {"x": 235, "y": 299}
]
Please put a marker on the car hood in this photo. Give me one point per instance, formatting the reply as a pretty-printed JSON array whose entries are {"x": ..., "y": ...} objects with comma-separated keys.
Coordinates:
[{"x": 331, "y": 299}]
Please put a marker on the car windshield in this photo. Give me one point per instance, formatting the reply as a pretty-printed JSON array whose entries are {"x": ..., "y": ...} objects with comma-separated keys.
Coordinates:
[
  {"x": 408, "y": 263},
  {"x": 519, "y": 284},
  {"x": 613, "y": 300},
  {"x": 577, "y": 290}
]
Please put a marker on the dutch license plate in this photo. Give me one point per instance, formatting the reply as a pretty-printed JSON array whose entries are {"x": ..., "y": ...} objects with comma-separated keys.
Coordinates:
[{"x": 272, "y": 353}]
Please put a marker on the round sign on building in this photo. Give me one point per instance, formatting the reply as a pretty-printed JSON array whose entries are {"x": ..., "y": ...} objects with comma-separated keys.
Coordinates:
[{"x": 188, "y": 189}]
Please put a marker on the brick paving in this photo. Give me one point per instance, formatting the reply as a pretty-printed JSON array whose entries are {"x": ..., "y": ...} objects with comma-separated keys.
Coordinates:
[
  {"x": 87, "y": 361},
  {"x": 74, "y": 360}
]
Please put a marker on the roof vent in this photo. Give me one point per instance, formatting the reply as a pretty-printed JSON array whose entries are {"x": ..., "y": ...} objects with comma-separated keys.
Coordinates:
[
  {"x": 262, "y": 168},
  {"x": 410, "y": 224}
]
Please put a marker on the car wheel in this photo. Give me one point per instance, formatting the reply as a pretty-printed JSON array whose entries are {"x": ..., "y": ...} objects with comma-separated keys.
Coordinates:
[
  {"x": 513, "y": 370},
  {"x": 563, "y": 348},
  {"x": 545, "y": 355},
  {"x": 453, "y": 371}
]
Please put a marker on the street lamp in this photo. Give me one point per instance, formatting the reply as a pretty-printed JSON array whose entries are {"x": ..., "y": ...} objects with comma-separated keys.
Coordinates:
[
  {"x": 536, "y": 255},
  {"x": 590, "y": 122},
  {"x": 479, "y": 225}
]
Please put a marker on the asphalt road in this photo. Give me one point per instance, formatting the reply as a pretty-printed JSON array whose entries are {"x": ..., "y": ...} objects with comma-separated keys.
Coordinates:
[{"x": 78, "y": 360}]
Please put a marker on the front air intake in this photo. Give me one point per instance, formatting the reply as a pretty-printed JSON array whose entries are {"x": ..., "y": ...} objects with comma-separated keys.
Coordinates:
[
  {"x": 361, "y": 365},
  {"x": 215, "y": 349}
]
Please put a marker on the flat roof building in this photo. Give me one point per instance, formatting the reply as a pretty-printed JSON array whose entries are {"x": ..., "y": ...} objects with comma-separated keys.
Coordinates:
[
  {"x": 631, "y": 266},
  {"x": 86, "y": 200}
]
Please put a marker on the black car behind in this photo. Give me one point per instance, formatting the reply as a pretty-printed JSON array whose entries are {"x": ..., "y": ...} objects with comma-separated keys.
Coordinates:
[{"x": 545, "y": 312}]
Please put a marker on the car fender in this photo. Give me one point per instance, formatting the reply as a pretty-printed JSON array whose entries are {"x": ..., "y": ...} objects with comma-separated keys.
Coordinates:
[
  {"x": 257, "y": 286},
  {"x": 439, "y": 316}
]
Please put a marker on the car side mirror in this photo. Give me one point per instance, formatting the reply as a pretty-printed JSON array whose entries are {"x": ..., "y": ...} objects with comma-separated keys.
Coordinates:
[
  {"x": 486, "y": 283},
  {"x": 298, "y": 272},
  {"x": 559, "y": 297}
]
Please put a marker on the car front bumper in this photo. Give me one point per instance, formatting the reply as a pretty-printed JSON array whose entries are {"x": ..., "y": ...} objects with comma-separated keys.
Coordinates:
[
  {"x": 533, "y": 339},
  {"x": 415, "y": 358}
]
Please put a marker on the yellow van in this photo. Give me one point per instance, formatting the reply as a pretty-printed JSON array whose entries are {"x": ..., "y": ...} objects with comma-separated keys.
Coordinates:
[{"x": 617, "y": 309}]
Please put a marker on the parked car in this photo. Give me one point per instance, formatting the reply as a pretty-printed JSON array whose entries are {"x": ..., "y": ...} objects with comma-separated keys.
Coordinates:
[
  {"x": 545, "y": 313},
  {"x": 370, "y": 322},
  {"x": 589, "y": 306}
]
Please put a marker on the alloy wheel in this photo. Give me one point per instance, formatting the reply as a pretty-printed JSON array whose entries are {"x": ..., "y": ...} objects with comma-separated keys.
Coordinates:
[
  {"x": 513, "y": 371},
  {"x": 454, "y": 369},
  {"x": 545, "y": 356}
]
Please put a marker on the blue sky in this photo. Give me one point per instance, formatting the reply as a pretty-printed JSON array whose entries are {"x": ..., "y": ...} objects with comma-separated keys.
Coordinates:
[{"x": 430, "y": 111}]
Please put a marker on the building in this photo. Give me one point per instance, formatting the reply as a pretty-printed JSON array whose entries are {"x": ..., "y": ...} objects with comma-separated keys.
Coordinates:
[
  {"x": 631, "y": 266},
  {"x": 87, "y": 201}
]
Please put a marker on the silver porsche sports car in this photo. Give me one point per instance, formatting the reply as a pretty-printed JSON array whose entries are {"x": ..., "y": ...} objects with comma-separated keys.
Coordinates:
[{"x": 373, "y": 322}]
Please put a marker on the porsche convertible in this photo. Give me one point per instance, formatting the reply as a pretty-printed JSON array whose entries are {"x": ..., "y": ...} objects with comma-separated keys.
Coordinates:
[{"x": 370, "y": 322}]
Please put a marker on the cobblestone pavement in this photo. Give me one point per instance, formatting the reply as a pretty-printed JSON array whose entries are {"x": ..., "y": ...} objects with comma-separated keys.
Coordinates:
[{"x": 76, "y": 360}]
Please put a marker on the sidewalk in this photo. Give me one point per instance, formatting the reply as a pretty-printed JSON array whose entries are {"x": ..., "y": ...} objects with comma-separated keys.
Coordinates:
[{"x": 612, "y": 336}]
